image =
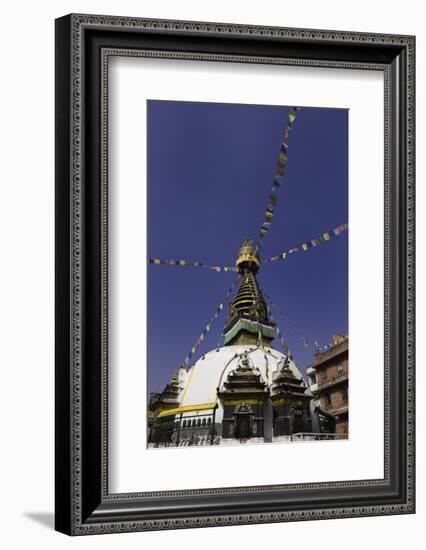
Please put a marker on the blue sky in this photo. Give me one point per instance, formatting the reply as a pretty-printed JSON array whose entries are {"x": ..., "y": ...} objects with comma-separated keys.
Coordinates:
[{"x": 210, "y": 172}]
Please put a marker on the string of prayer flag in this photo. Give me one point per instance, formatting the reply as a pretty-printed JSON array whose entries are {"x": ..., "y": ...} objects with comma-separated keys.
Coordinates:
[
  {"x": 280, "y": 336},
  {"x": 310, "y": 244},
  {"x": 306, "y": 343},
  {"x": 186, "y": 263},
  {"x": 207, "y": 328},
  {"x": 278, "y": 176}
]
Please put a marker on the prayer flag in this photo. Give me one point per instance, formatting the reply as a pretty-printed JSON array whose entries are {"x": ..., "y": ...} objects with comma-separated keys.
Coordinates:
[{"x": 282, "y": 159}]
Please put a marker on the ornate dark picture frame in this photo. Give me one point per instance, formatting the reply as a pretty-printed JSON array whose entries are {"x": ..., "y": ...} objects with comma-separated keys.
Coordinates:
[{"x": 83, "y": 45}]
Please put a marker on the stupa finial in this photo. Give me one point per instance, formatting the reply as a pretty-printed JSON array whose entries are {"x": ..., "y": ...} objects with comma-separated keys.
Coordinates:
[{"x": 248, "y": 256}]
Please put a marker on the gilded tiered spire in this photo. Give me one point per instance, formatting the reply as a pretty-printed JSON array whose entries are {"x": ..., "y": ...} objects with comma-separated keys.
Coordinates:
[
  {"x": 248, "y": 314},
  {"x": 285, "y": 382},
  {"x": 169, "y": 397}
]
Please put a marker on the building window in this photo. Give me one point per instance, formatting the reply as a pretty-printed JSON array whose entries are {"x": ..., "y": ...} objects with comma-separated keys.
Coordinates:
[
  {"x": 339, "y": 368},
  {"x": 327, "y": 399},
  {"x": 344, "y": 394},
  {"x": 324, "y": 375}
]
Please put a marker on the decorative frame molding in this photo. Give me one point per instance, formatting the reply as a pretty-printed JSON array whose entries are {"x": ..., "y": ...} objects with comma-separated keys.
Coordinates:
[{"x": 84, "y": 43}]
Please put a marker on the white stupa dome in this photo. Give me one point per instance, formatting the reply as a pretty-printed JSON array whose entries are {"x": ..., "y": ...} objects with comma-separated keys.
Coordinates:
[
  {"x": 200, "y": 384},
  {"x": 207, "y": 375}
]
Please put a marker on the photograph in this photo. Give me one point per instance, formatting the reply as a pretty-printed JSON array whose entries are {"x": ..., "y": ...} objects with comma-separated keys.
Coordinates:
[{"x": 247, "y": 230}]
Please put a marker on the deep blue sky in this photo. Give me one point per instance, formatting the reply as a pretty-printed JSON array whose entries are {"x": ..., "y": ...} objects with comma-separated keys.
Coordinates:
[{"x": 210, "y": 172}]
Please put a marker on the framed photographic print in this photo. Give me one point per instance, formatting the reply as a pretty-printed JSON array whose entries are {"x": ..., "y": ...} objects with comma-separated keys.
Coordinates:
[{"x": 234, "y": 274}]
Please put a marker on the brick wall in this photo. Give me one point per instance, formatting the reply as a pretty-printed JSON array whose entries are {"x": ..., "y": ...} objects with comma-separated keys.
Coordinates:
[
  {"x": 332, "y": 370},
  {"x": 338, "y": 399}
]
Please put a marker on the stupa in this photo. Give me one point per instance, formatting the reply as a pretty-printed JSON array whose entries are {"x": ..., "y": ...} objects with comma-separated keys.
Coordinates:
[{"x": 243, "y": 392}]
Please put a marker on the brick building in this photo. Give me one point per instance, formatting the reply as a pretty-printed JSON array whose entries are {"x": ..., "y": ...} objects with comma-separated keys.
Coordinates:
[{"x": 329, "y": 377}]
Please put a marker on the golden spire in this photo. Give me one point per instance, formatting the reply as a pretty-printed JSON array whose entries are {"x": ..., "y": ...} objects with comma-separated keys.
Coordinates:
[
  {"x": 248, "y": 257},
  {"x": 248, "y": 313}
]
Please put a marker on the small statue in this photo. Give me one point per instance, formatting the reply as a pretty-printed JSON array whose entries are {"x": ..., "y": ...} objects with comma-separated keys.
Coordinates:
[
  {"x": 246, "y": 362},
  {"x": 284, "y": 363}
]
